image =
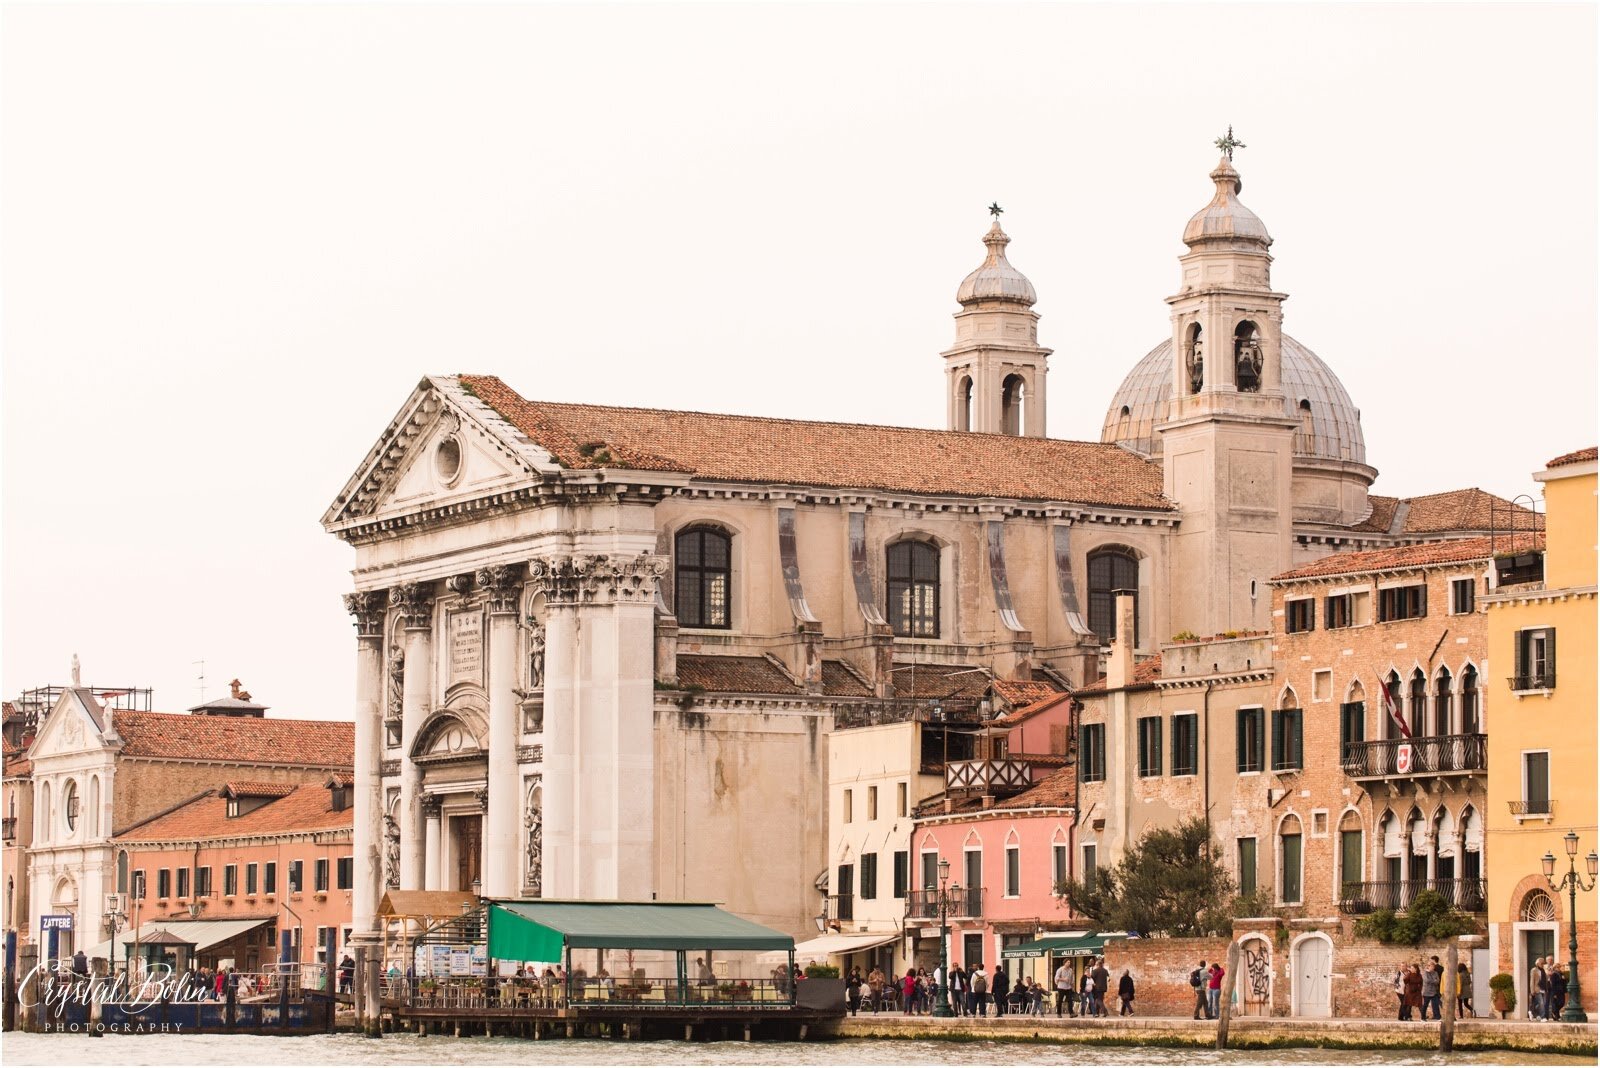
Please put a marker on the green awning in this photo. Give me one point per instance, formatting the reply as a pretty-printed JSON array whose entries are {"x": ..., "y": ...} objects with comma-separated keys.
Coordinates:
[
  {"x": 1060, "y": 946},
  {"x": 540, "y": 930}
]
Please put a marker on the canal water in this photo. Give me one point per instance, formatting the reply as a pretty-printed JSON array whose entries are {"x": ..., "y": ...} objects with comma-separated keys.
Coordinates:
[{"x": 170, "y": 1051}]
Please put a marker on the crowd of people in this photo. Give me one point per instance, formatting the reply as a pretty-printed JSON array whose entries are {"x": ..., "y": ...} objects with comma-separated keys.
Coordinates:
[
  {"x": 974, "y": 991},
  {"x": 1418, "y": 987},
  {"x": 1547, "y": 989}
]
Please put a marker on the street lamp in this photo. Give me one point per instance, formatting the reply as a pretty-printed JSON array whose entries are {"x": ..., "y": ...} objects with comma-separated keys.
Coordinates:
[
  {"x": 941, "y": 997},
  {"x": 1572, "y": 882}
]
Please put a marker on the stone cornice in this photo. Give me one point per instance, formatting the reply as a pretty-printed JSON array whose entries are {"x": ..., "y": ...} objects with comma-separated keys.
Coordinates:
[
  {"x": 1563, "y": 593},
  {"x": 313, "y": 836},
  {"x": 1226, "y": 678},
  {"x": 985, "y": 814}
]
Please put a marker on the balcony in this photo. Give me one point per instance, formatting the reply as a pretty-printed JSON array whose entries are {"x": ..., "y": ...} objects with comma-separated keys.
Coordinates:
[
  {"x": 1431, "y": 756},
  {"x": 987, "y": 777},
  {"x": 1533, "y": 809},
  {"x": 1535, "y": 683},
  {"x": 1358, "y": 899},
  {"x": 966, "y": 903},
  {"x": 841, "y": 908}
]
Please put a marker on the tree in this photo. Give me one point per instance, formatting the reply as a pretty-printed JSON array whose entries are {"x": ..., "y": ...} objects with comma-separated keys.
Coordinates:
[{"x": 1171, "y": 882}]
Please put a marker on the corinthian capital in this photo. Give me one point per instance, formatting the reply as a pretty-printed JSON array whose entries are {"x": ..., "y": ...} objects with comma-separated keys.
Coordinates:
[
  {"x": 503, "y": 584},
  {"x": 415, "y": 602},
  {"x": 597, "y": 578},
  {"x": 367, "y": 606}
]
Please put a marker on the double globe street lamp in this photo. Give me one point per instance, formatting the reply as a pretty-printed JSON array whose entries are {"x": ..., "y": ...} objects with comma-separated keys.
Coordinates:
[
  {"x": 943, "y": 896},
  {"x": 1572, "y": 882}
]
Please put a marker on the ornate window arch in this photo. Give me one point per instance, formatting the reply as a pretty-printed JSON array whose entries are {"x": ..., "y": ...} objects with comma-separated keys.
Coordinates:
[
  {"x": 1417, "y": 713},
  {"x": 1443, "y": 699},
  {"x": 69, "y": 806},
  {"x": 1291, "y": 860},
  {"x": 1111, "y": 568},
  {"x": 1470, "y": 722},
  {"x": 1537, "y": 907},
  {"x": 911, "y": 571},
  {"x": 703, "y": 577}
]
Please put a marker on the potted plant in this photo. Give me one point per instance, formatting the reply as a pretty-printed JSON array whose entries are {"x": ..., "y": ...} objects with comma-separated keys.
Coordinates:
[
  {"x": 741, "y": 990},
  {"x": 725, "y": 991},
  {"x": 1503, "y": 993}
]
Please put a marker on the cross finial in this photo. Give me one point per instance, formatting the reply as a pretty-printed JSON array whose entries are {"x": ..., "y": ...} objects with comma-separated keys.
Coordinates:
[
  {"x": 1229, "y": 143},
  {"x": 995, "y": 209}
]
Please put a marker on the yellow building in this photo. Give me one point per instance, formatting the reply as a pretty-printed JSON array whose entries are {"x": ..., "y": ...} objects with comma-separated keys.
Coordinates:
[{"x": 1542, "y": 745}]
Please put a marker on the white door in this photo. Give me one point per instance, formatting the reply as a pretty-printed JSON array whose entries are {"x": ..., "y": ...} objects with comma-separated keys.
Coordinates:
[{"x": 1311, "y": 977}]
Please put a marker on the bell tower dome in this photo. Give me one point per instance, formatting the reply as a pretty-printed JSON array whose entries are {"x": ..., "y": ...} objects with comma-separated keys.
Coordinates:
[{"x": 995, "y": 372}]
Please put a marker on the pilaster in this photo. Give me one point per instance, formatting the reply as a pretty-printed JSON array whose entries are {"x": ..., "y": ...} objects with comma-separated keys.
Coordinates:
[
  {"x": 368, "y": 608},
  {"x": 415, "y": 602},
  {"x": 503, "y": 809}
]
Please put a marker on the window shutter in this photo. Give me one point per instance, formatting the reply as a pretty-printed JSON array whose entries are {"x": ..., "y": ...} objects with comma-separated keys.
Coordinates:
[
  {"x": 1058, "y": 739},
  {"x": 1299, "y": 751},
  {"x": 1238, "y": 739},
  {"x": 1550, "y": 653}
]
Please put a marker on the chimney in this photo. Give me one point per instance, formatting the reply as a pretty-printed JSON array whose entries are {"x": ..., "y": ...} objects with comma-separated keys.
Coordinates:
[{"x": 1119, "y": 667}]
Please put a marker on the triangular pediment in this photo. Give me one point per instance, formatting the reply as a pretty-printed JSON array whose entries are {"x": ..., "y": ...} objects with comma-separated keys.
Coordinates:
[
  {"x": 74, "y": 725},
  {"x": 444, "y": 447}
]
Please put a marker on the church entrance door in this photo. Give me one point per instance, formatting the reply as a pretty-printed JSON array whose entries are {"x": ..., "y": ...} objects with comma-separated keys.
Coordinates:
[{"x": 466, "y": 845}]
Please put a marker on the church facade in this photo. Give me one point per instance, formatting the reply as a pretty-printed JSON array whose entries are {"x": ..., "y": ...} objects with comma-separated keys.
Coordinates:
[{"x": 600, "y": 650}]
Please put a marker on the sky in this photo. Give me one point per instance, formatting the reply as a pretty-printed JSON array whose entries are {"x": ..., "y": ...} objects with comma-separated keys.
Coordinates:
[{"x": 233, "y": 239}]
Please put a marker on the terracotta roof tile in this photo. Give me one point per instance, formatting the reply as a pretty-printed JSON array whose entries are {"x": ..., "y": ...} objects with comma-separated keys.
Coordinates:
[
  {"x": 258, "y": 789},
  {"x": 738, "y": 448},
  {"x": 242, "y": 739},
  {"x": 1145, "y": 673},
  {"x": 840, "y": 680},
  {"x": 1579, "y": 457},
  {"x": 733, "y": 674},
  {"x": 1427, "y": 554},
  {"x": 1059, "y": 790},
  {"x": 1027, "y": 712},
  {"x": 305, "y": 808},
  {"x": 963, "y": 681},
  {"x": 1454, "y": 511},
  {"x": 1018, "y": 694}
]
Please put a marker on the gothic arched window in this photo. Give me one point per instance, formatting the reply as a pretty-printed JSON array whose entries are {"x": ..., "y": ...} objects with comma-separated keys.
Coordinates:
[
  {"x": 1469, "y": 700},
  {"x": 1111, "y": 570},
  {"x": 703, "y": 582},
  {"x": 1419, "y": 703},
  {"x": 913, "y": 589},
  {"x": 1013, "y": 396},
  {"x": 1392, "y": 697},
  {"x": 1442, "y": 697}
]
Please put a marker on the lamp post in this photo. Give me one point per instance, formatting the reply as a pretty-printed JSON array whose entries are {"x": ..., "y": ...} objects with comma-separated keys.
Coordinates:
[
  {"x": 941, "y": 997},
  {"x": 1572, "y": 882},
  {"x": 114, "y": 920}
]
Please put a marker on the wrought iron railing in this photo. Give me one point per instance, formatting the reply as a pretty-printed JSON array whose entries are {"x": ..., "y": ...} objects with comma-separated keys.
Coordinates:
[
  {"x": 1436, "y": 754},
  {"x": 966, "y": 903},
  {"x": 842, "y": 907},
  {"x": 1539, "y": 806},
  {"x": 1468, "y": 895},
  {"x": 987, "y": 776}
]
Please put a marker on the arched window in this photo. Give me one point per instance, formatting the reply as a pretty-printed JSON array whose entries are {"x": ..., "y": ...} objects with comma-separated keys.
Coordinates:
[
  {"x": 122, "y": 871},
  {"x": 1392, "y": 698},
  {"x": 1012, "y": 400},
  {"x": 1442, "y": 698},
  {"x": 1194, "y": 359},
  {"x": 92, "y": 824},
  {"x": 1290, "y": 859},
  {"x": 1111, "y": 570},
  {"x": 1247, "y": 357},
  {"x": 964, "y": 404},
  {"x": 1419, "y": 703},
  {"x": 703, "y": 581},
  {"x": 1350, "y": 851},
  {"x": 42, "y": 820},
  {"x": 1469, "y": 700},
  {"x": 69, "y": 804},
  {"x": 1305, "y": 438},
  {"x": 913, "y": 589}
]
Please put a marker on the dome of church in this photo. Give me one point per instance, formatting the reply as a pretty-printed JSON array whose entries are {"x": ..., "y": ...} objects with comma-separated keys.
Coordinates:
[
  {"x": 1225, "y": 219},
  {"x": 996, "y": 279},
  {"x": 1330, "y": 425}
]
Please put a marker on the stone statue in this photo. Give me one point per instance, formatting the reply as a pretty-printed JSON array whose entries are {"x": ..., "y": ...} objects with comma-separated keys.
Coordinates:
[
  {"x": 1197, "y": 366},
  {"x": 77, "y": 676},
  {"x": 535, "y": 655},
  {"x": 397, "y": 681},
  {"x": 1249, "y": 365},
  {"x": 391, "y": 853},
  {"x": 533, "y": 820}
]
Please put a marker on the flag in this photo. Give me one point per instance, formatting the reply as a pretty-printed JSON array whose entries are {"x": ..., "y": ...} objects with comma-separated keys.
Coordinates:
[{"x": 1392, "y": 706}]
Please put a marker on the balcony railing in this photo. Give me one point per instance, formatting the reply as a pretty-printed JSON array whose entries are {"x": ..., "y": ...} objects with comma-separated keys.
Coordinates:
[
  {"x": 987, "y": 776},
  {"x": 1438, "y": 754},
  {"x": 1544, "y": 680},
  {"x": 1534, "y": 808},
  {"x": 842, "y": 907},
  {"x": 1468, "y": 895},
  {"x": 966, "y": 903}
]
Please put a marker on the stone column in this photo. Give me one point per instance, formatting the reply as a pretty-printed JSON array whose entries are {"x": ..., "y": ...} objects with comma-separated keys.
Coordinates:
[
  {"x": 368, "y": 608},
  {"x": 431, "y": 842},
  {"x": 555, "y": 577},
  {"x": 415, "y": 601},
  {"x": 503, "y": 809}
]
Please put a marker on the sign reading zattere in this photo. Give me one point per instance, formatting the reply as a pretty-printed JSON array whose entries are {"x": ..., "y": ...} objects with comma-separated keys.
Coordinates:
[{"x": 466, "y": 647}]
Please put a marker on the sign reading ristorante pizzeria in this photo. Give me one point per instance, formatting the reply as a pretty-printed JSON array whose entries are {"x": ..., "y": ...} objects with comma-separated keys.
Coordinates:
[{"x": 466, "y": 647}]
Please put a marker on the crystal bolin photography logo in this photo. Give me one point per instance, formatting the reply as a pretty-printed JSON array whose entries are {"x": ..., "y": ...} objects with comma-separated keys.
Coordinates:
[{"x": 53, "y": 987}]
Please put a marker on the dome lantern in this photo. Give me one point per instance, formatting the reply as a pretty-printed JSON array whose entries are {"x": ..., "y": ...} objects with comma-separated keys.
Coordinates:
[{"x": 996, "y": 279}]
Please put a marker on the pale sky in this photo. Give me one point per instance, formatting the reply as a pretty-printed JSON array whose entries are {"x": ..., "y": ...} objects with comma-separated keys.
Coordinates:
[{"x": 235, "y": 237}]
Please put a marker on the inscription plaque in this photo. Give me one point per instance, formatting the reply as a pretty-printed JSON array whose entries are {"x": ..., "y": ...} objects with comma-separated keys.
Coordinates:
[{"x": 466, "y": 647}]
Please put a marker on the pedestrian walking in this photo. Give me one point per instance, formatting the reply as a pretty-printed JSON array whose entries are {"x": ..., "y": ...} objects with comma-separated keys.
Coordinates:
[
  {"x": 979, "y": 1004},
  {"x": 1430, "y": 988},
  {"x": 875, "y": 981},
  {"x": 852, "y": 990},
  {"x": 1556, "y": 996},
  {"x": 1197, "y": 982},
  {"x": 1063, "y": 980},
  {"x": 1463, "y": 991},
  {"x": 1125, "y": 994},
  {"x": 1000, "y": 987},
  {"x": 1536, "y": 990},
  {"x": 1102, "y": 980},
  {"x": 1412, "y": 985}
]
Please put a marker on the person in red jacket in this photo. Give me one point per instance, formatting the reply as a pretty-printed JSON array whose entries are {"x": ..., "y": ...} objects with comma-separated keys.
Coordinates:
[{"x": 1214, "y": 988}]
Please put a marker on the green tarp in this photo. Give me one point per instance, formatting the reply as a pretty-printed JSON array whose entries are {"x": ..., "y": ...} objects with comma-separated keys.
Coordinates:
[
  {"x": 1060, "y": 946},
  {"x": 541, "y": 930}
]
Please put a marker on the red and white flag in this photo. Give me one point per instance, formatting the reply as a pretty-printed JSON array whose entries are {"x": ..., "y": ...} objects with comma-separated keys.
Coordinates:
[{"x": 1392, "y": 706}]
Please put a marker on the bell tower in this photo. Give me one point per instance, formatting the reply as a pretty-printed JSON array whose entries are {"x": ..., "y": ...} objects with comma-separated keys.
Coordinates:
[
  {"x": 1227, "y": 439},
  {"x": 995, "y": 372}
]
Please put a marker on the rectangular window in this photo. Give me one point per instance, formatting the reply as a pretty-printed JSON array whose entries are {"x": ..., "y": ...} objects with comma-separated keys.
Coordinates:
[
  {"x": 1536, "y": 659},
  {"x": 869, "y": 876},
  {"x": 1402, "y": 602},
  {"x": 297, "y": 876},
  {"x": 346, "y": 873},
  {"x": 974, "y": 865},
  {"x": 1092, "y": 752},
  {"x": 1536, "y": 784},
  {"x": 1291, "y": 868},
  {"x": 1286, "y": 739},
  {"x": 1461, "y": 591},
  {"x": 1338, "y": 613},
  {"x": 1247, "y": 867},
  {"x": 164, "y": 882},
  {"x": 1300, "y": 616},
  {"x": 900, "y": 799},
  {"x": 1185, "y": 744},
  {"x": 1248, "y": 730},
  {"x": 972, "y": 951},
  {"x": 319, "y": 875},
  {"x": 849, "y": 805},
  {"x": 930, "y": 871},
  {"x": 1149, "y": 746},
  {"x": 846, "y": 891},
  {"x": 138, "y": 885},
  {"x": 872, "y": 802},
  {"x": 322, "y": 945},
  {"x": 269, "y": 877},
  {"x": 1013, "y": 871},
  {"x": 230, "y": 879},
  {"x": 1350, "y": 856},
  {"x": 183, "y": 882},
  {"x": 202, "y": 881},
  {"x": 902, "y": 869},
  {"x": 1088, "y": 863},
  {"x": 252, "y": 873},
  {"x": 1352, "y": 724},
  {"x": 1058, "y": 867}
]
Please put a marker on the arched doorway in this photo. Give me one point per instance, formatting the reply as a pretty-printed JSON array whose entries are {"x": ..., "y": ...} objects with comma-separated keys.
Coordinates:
[
  {"x": 1311, "y": 959},
  {"x": 452, "y": 753},
  {"x": 1255, "y": 976},
  {"x": 1537, "y": 930}
]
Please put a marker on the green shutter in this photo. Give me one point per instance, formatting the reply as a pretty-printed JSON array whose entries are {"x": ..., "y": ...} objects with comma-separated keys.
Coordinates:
[{"x": 1299, "y": 738}]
